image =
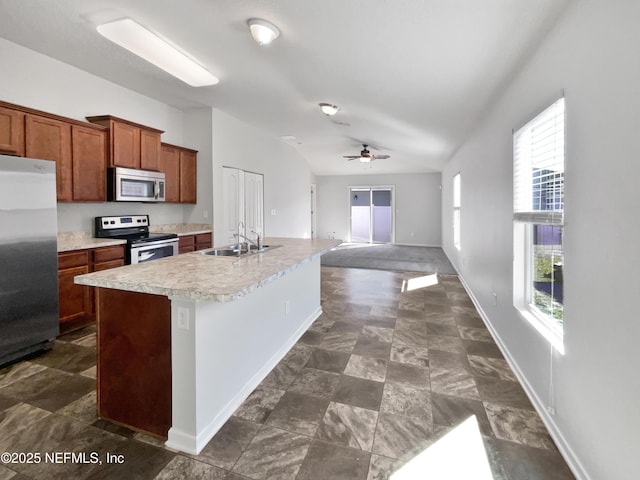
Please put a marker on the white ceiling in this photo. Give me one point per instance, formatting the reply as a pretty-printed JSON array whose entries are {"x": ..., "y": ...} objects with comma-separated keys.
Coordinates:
[{"x": 411, "y": 76}]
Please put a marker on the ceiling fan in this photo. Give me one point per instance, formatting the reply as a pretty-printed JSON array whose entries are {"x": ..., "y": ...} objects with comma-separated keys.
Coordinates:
[{"x": 365, "y": 155}]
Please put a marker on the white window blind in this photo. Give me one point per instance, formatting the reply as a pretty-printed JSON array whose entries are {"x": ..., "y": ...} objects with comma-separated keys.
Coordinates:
[{"x": 538, "y": 150}]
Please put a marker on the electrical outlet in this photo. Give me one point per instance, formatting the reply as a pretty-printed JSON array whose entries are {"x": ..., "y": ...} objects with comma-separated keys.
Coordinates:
[
  {"x": 551, "y": 410},
  {"x": 273, "y": 211},
  {"x": 205, "y": 214},
  {"x": 183, "y": 318}
]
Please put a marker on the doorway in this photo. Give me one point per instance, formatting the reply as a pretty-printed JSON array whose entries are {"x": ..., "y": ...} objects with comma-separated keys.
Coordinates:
[{"x": 371, "y": 214}]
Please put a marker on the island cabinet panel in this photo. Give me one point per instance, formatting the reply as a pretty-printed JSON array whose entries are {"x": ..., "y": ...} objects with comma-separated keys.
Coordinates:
[
  {"x": 50, "y": 139},
  {"x": 11, "y": 132},
  {"x": 170, "y": 166},
  {"x": 134, "y": 360},
  {"x": 76, "y": 301},
  {"x": 89, "y": 153}
]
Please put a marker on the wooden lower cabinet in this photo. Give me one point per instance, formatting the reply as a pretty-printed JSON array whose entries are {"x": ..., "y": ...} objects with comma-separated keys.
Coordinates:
[
  {"x": 203, "y": 240},
  {"x": 191, "y": 243},
  {"x": 77, "y": 306},
  {"x": 186, "y": 244},
  {"x": 76, "y": 301}
]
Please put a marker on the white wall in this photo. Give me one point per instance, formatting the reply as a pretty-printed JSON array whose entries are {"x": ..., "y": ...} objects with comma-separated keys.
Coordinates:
[
  {"x": 34, "y": 80},
  {"x": 417, "y": 205},
  {"x": 592, "y": 54},
  {"x": 287, "y": 176},
  {"x": 198, "y": 136}
]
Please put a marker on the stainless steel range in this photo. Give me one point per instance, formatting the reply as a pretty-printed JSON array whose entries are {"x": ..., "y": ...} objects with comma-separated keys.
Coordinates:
[{"x": 142, "y": 246}]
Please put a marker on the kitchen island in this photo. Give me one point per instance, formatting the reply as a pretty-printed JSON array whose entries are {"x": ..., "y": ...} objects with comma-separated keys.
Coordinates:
[{"x": 182, "y": 341}]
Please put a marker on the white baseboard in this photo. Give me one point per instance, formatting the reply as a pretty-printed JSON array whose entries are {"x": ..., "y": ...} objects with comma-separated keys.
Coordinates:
[
  {"x": 563, "y": 446},
  {"x": 193, "y": 445}
]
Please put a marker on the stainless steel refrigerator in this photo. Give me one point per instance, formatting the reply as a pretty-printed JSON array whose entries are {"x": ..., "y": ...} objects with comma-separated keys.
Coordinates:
[{"x": 28, "y": 257}]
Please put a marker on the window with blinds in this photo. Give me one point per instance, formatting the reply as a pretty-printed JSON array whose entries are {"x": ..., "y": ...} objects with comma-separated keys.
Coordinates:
[
  {"x": 538, "y": 157},
  {"x": 538, "y": 215}
]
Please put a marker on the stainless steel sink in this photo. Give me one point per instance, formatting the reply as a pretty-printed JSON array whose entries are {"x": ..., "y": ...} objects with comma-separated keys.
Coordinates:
[
  {"x": 221, "y": 252},
  {"x": 232, "y": 251}
]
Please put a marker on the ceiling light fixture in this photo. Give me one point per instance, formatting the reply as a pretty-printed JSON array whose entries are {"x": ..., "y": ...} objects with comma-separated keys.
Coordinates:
[
  {"x": 329, "y": 109},
  {"x": 137, "y": 39},
  {"x": 263, "y": 32}
]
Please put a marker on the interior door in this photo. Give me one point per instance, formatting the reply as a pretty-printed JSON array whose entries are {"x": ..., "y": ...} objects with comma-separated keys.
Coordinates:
[
  {"x": 232, "y": 203},
  {"x": 253, "y": 204}
]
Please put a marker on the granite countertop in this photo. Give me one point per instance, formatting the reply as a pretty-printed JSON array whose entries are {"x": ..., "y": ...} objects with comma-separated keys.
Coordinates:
[
  {"x": 68, "y": 241},
  {"x": 196, "y": 276},
  {"x": 182, "y": 228}
]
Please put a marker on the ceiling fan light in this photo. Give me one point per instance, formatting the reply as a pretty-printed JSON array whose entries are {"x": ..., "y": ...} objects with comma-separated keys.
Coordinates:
[
  {"x": 329, "y": 109},
  {"x": 263, "y": 32},
  {"x": 147, "y": 45},
  {"x": 365, "y": 159}
]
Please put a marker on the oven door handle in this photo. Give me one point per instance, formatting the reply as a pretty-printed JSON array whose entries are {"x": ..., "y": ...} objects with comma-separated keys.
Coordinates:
[
  {"x": 144, "y": 256},
  {"x": 149, "y": 245}
]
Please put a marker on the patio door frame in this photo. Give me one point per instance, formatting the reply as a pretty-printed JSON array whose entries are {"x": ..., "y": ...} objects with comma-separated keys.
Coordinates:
[{"x": 371, "y": 189}]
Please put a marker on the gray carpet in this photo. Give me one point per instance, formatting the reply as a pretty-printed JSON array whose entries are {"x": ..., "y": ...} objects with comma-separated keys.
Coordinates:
[{"x": 390, "y": 257}]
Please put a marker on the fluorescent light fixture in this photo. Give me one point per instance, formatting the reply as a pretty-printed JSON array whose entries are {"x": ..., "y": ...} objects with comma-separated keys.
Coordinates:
[
  {"x": 263, "y": 32},
  {"x": 137, "y": 39},
  {"x": 329, "y": 109}
]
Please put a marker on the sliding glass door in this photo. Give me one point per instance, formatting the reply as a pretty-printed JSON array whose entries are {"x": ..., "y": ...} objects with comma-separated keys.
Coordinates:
[{"x": 371, "y": 210}]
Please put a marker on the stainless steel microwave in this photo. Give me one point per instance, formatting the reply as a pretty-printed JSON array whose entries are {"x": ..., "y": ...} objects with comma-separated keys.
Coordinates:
[{"x": 131, "y": 185}]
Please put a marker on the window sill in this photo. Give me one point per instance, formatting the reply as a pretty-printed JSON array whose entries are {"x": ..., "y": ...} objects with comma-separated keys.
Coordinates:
[{"x": 552, "y": 335}]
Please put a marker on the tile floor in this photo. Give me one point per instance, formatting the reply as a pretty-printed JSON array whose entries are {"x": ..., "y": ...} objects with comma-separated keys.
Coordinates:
[{"x": 379, "y": 377}]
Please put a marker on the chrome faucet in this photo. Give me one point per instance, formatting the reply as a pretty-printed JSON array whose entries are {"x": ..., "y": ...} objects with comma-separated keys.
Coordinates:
[{"x": 257, "y": 243}]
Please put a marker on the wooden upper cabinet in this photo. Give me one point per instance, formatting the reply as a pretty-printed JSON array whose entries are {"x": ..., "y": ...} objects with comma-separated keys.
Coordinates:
[
  {"x": 149, "y": 150},
  {"x": 179, "y": 165},
  {"x": 125, "y": 145},
  {"x": 131, "y": 145},
  {"x": 188, "y": 176},
  {"x": 89, "y": 153},
  {"x": 11, "y": 132},
  {"x": 170, "y": 166},
  {"x": 50, "y": 139}
]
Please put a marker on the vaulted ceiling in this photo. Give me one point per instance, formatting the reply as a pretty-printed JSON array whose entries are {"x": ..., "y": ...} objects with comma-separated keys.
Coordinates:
[{"x": 411, "y": 77}]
